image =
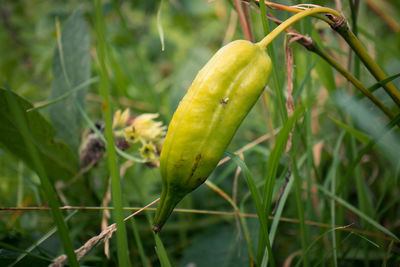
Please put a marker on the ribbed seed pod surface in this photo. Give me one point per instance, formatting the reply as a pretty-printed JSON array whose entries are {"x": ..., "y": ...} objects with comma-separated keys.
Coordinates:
[{"x": 207, "y": 118}]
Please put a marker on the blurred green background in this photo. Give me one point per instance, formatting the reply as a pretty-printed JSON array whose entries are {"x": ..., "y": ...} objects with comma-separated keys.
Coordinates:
[{"x": 146, "y": 79}]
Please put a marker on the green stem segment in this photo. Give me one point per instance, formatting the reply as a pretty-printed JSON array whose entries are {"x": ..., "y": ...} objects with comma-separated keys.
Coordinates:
[
  {"x": 167, "y": 203},
  {"x": 278, "y": 30},
  {"x": 319, "y": 51},
  {"x": 116, "y": 192},
  {"x": 343, "y": 29}
]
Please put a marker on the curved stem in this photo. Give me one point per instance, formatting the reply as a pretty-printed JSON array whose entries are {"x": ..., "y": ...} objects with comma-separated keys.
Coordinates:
[
  {"x": 316, "y": 49},
  {"x": 371, "y": 65},
  {"x": 293, "y": 9},
  {"x": 278, "y": 30},
  {"x": 347, "y": 35}
]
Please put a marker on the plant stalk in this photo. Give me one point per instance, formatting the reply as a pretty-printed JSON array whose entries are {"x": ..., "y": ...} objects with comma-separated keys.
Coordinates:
[
  {"x": 302, "y": 14},
  {"x": 342, "y": 28},
  {"x": 319, "y": 51}
]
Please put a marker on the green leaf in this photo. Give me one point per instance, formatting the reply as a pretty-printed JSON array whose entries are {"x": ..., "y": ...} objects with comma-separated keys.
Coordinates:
[
  {"x": 362, "y": 215},
  {"x": 57, "y": 158},
  {"x": 381, "y": 83},
  {"x": 161, "y": 252},
  {"x": 360, "y": 136},
  {"x": 71, "y": 68}
]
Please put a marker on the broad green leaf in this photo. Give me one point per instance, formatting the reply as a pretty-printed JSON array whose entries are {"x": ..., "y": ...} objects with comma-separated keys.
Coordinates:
[
  {"x": 57, "y": 158},
  {"x": 71, "y": 68}
]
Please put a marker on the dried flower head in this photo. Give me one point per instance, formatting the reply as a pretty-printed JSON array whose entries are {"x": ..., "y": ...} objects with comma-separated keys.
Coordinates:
[{"x": 142, "y": 129}]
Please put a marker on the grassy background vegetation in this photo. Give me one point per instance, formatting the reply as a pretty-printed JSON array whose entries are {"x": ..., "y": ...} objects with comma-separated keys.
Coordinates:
[{"x": 339, "y": 188}]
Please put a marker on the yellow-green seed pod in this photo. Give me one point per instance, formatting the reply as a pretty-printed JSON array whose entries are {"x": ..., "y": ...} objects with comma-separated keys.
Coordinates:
[{"x": 207, "y": 118}]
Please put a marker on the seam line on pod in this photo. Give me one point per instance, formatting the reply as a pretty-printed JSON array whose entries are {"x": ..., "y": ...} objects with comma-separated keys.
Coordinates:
[
  {"x": 187, "y": 104},
  {"x": 220, "y": 108},
  {"x": 215, "y": 58}
]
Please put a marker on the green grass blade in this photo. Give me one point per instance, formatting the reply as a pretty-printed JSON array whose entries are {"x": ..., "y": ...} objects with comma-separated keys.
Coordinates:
[
  {"x": 142, "y": 253},
  {"x": 159, "y": 26},
  {"x": 362, "y": 137},
  {"x": 116, "y": 192},
  {"x": 273, "y": 163},
  {"x": 362, "y": 215},
  {"x": 281, "y": 205},
  {"x": 381, "y": 83},
  {"x": 300, "y": 210},
  {"x": 161, "y": 252},
  {"x": 15, "y": 249},
  {"x": 66, "y": 95},
  {"x": 371, "y": 144},
  {"x": 262, "y": 216},
  {"x": 45, "y": 182},
  {"x": 332, "y": 175}
]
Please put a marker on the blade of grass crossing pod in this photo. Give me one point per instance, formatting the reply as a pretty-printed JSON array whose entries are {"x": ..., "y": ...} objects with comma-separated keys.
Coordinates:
[
  {"x": 358, "y": 212},
  {"x": 273, "y": 162},
  {"x": 45, "y": 182},
  {"x": 116, "y": 192}
]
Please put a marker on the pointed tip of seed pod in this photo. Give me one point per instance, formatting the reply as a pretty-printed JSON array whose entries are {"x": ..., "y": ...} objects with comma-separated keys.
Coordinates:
[{"x": 156, "y": 228}]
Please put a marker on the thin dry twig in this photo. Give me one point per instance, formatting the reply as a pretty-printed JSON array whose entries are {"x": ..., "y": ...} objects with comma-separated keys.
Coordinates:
[
  {"x": 104, "y": 236},
  {"x": 259, "y": 140},
  {"x": 107, "y": 198},
  {"x": 209, "y": 212},
  {"x": 106, "y": 215},
  {"x": 289, "y": 81},
  {"x": 230, "y": 30},
  {"x": 244, "y": 20}
]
